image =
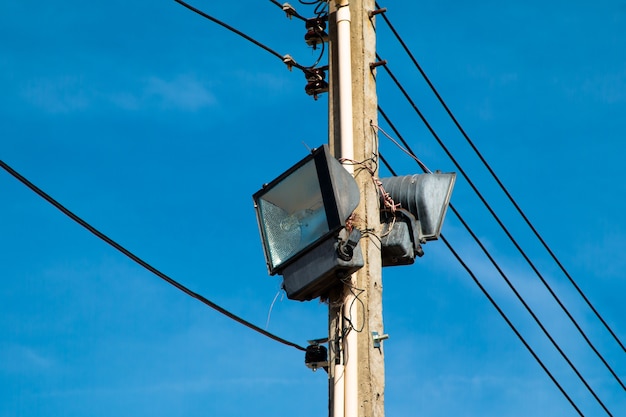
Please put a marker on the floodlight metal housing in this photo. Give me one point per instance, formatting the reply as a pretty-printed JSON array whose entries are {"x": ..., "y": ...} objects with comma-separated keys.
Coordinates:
[
  {"x": 301, "y": 215},
  {"x": 425, "y": 196},
  {"x": 399, "y": 238},
  {"x": 314, "y": 273},
  {"x": 423, "y": 200}
]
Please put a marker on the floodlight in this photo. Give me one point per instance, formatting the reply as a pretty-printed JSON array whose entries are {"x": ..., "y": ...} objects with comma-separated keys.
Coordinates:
[
  {"x": 423, "y": 200},
  {"x": 301, "y": 214},
  {"x": 425, "y": 196}
]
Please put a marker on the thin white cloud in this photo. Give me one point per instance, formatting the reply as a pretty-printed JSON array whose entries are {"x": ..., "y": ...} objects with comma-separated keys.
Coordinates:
[
  {"x": 607, "y": 88},
  {"x": 530, "y": 287},
  {"x": 165, "y": 387},
  {"x": 274, "y": 81},
  {"x": 73, "y": 93},
  {"x": 125, "y": 101},
  {"x": 57, "y": 95},
  {"x": 24, "y": 359},
  {"x": 184, "y": 92}
]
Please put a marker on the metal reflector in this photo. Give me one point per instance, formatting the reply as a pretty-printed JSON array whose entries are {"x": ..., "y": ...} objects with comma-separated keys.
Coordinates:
[
  {"x": 293, "y": 213},
  {"x": 425, "y": 196},
  {"x": 302, "y": 207}
]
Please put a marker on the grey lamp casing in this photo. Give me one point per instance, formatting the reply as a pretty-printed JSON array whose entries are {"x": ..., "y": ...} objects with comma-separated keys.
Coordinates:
[
  {"x": 423, "y": 201},
  {"x": 302, "y": 217}
]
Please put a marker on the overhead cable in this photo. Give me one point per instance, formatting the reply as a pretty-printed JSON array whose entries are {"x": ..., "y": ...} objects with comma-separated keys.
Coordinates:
[
  {"x": 502, "y": 313},
  {"x": 528, "y": 309},
  {"x": 141, "y": 262},
  {"x": 410, "y": 151},
  {"x": 533, "y": 353},
  {"x": 501, "y": 224},
  {"x": 510, "y": 284},
  {"x": 287, "y": 8},
  {"x": 285, "y": 58},
  {"x": 499, "y": 182}
]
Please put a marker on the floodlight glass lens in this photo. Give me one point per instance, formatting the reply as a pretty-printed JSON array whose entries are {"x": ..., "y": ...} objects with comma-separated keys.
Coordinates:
[{"x": 293, "y": 214}]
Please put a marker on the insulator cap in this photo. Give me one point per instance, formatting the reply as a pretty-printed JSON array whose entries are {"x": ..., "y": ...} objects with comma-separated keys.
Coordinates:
[{"x": 315, "y": 354}]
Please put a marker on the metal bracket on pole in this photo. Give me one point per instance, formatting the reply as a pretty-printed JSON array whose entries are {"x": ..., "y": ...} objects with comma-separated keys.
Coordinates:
[
  {"x": 377, "y": 338},
  {"x": 373, "y": 13}
]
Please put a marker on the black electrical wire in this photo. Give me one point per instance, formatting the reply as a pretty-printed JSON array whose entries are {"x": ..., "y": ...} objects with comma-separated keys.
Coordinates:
[
  {"x": 319, "y": 14},
  {"x": 310, "y": 2},
  {"x": 527, "y": 307},
  {"x": 292, "y": 11},
  {"x": 533, "y": 353},
  {"x": 240, "y": 33},
  {"x": 500, "y": 311},
  {"x": 501, "y": 224},
  {"x": 499, "y": 182},
  {"x": 322, "y": 51},
  {"x": 322, "y": 8},
  {"x": 141, "y": 262},
  {"x": 506, "y": 279},
  {"x": 517, "y": 294},
  {"x": 395, "y": 130}
]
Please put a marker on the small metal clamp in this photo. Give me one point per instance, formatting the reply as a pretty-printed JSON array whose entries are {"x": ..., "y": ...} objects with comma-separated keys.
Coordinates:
[{"x": 377, "y": 338}]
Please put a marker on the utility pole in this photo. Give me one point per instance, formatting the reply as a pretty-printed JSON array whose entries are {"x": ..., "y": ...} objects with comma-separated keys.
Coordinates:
[
  {"x": 356, "y": 366},
  {"x": 320, "y": 221}
]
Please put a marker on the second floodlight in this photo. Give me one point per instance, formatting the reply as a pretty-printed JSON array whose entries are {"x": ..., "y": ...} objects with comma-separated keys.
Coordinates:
[{"x": 422, "y": 201}]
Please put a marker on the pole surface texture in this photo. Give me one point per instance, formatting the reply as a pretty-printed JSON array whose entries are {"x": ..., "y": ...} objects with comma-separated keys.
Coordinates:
[{"x": 356, "y": 310}]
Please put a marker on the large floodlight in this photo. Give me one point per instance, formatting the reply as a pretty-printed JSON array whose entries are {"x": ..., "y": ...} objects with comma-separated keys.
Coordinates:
[{"x": 301, "y": 214}]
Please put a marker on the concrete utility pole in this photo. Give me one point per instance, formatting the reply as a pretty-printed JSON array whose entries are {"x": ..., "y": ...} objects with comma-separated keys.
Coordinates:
[{"x": 356, "y": 369}]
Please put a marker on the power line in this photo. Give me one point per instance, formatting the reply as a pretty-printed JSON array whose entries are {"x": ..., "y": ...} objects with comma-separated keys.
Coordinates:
[
  {"x": 528, "y": 309},
  {"x": 499, "y": 182},
  {"x": 408, "y": 148},
  {"x": 141, "y": 262},
  {"x": 533, "y": 353},
  {"x": 286, "y": 7},
  {"x": 501, "y": 224},
  {"x": 506, "y": 279},
  {"x": 315, "y": 76},
  {"x": 500, "y": 311},
  {"x": 284, "y": 58}
]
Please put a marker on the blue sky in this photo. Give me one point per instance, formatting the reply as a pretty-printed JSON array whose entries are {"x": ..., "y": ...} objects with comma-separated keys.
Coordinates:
[{"x": 156, "y": 126}]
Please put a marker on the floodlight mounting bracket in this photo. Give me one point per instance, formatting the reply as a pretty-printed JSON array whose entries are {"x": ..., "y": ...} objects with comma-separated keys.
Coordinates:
[{"x": 345, "y": 248}]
